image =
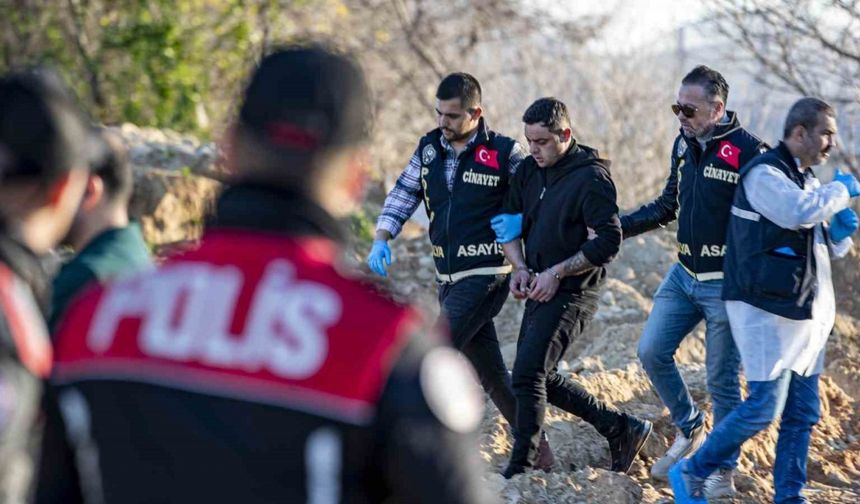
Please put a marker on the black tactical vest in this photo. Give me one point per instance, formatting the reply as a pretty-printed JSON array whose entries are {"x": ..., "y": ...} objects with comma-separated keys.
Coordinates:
[
  {"x": 758, "y": 269},
  {"x": 463, "y": 242},
  {"x": 706, "y": 187}
]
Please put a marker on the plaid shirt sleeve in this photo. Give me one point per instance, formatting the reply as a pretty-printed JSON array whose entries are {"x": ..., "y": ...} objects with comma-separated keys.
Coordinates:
[
  {"x": 518, "y": 154},
  {"x": 403, "y": 199}
]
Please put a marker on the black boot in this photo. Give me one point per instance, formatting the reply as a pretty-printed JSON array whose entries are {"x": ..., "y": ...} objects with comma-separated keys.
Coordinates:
[
  {"x": 624, "y": 447},
  {"x": 512, "y": 470}
]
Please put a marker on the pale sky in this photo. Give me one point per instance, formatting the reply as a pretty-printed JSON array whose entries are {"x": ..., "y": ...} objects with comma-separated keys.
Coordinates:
[{"x": 637, "y": 23}]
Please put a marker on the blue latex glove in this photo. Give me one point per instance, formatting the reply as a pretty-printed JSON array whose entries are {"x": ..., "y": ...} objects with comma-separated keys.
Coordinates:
[
  {"x": 850, "y": 182},
  {"x": 788, "y": 251},
  {"x": 843, "y": 225},
  {"x": 379, "y": 257},
  {"x": 508, "y": 227}
]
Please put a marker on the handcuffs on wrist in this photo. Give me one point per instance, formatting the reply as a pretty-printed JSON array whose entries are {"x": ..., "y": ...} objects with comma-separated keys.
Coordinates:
[{"x": 553, "y": 273}]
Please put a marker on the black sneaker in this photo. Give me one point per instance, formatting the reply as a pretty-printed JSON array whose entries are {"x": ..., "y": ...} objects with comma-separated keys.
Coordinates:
[
  {"x": 512, "y": 470},
  {"x": 624, "y": 447}
]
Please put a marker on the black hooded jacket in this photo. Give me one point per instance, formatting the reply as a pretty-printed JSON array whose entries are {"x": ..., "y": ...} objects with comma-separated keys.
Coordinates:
[
  {"x": 346, "y": 399},
  {"x": 559, "y": 204}
]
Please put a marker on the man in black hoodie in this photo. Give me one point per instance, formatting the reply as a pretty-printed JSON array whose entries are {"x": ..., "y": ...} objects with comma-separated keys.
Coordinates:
[{"x": 566, "y": 196}]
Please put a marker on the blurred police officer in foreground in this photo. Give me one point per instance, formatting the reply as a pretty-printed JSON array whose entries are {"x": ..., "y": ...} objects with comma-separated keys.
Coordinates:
[
  {"x": 253, "y": 369},
  {"x": 44, "y": 155}
]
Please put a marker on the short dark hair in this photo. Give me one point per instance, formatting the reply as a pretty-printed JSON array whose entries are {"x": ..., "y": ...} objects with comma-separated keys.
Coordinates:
[
  {"x": 43, "y": 131},
  {"x": 806, "y": 112},
  {"x": 713, "y": 82},
  {"x": 113, "y": 167},
  {"x": 460, "y": 85},
  {"x": 550, "y": 112}
]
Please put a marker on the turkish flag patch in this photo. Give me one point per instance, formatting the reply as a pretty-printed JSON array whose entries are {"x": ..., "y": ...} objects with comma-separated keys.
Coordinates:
[
  {"x": 730, "y": 153},
  {"x": 487, "y": 157}
]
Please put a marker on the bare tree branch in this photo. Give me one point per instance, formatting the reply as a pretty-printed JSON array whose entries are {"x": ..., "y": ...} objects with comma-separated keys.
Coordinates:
[
  {"x": 77, "y": 32},
  {"x": 410, "y": 28},
  {"x": 805, "y": 46}
]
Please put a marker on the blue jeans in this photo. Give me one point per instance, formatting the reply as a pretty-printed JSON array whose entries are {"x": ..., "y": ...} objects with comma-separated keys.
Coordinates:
[
  {"x": 794, "y": 397},
  {"x": 680, "y": 304}
]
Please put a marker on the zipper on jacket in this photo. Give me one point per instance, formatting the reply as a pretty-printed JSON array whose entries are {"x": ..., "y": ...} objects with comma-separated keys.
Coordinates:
[
  {"x": 695, "y": 198},
  {"x": 448, "y": 219},
  {"x": 542, "y": 173},
  {"x": 810, "y": 273},
  {"x": 451, "y": 208}
]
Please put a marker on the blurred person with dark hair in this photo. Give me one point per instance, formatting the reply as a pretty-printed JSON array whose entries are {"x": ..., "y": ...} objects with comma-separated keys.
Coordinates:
[
  {"x": 779, "y": 298},
  {"x": 108, "y": 246},
  {"x": 570, "y": 231},
  {"x": 254, "y": 368},
  {"x": 45, "y": 150},
  {"x": 461, "y": 171},
  {"x": 703, "y": 174}
]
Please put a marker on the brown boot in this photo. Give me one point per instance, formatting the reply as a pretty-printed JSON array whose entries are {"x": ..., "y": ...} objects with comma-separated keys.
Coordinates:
[{"x": 545, "y": 459}]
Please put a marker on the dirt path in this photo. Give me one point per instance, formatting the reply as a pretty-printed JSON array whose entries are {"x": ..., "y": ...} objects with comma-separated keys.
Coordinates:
[{"x": 604, "y": 361}]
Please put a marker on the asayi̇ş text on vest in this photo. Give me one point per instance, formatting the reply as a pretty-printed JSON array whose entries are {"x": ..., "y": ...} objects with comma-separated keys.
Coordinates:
[
  {"x": 460, "y": 232},
  {"x": 706, "y": 186}
]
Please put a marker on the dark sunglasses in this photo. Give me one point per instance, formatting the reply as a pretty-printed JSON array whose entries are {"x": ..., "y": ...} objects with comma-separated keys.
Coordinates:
[{"x": 688, "y": 110}]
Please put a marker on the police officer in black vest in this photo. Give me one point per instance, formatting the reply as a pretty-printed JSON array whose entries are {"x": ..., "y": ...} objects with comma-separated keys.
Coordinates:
[
  {"x": 706, "y": 157},
  {"x": 780, "y": 299},
  {"x": 565, "y": 195},
  {"x": 460, "y": 171},
  {"x": 323, "y": 392}
]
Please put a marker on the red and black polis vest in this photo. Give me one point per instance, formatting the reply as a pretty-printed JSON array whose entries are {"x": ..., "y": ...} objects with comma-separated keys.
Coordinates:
[{"x": 247, "y": 315}]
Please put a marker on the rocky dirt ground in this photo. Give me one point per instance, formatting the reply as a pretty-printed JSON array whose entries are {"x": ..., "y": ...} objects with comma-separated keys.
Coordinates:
[
  {"x": 604, "y": 361},
  {"x": 177, "y": 178}
]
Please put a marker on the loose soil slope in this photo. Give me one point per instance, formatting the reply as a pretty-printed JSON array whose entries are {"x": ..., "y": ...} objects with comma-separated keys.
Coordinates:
[{"x": 604, "y": 361}]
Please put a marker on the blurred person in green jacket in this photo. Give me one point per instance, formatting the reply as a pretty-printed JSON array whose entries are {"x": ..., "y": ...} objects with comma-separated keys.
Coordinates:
[{"x": 108, "y": 245}]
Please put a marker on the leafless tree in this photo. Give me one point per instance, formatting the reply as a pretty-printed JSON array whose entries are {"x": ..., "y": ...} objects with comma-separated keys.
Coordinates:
[
  {"x": 518, "y": 51},
  {"x": 806, "y": 47},
  {"x": 409, "y": 45}
]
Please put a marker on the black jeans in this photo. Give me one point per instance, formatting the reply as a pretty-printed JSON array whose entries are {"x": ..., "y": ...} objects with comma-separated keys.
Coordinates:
[
  {"x": 546, "y": 332},
  {"x": 469, "y": 306}
]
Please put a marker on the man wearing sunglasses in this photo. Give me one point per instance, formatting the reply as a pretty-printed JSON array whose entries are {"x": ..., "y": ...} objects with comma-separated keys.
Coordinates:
[{"x": 704, "y": 172}]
